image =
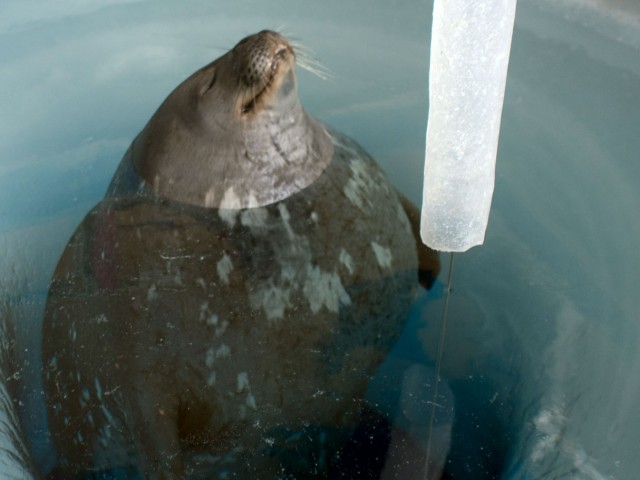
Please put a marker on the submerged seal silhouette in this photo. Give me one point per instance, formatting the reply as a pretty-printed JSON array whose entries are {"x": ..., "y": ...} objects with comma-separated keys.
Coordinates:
[{"x": 247, "y": 271}]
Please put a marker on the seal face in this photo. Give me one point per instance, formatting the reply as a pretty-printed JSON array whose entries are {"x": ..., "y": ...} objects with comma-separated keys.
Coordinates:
[{"x": 246, "y": 273}]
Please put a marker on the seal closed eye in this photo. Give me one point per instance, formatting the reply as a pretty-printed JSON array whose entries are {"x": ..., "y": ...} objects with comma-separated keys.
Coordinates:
[{"x": 220, "y": 311}]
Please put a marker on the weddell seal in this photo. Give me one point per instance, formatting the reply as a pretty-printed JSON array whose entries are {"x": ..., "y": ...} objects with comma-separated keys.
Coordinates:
[{"x": 219, "y": 313}]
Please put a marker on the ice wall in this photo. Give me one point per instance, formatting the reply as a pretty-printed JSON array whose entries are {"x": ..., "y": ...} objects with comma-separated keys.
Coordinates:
[{"x": 14, "y": 463}]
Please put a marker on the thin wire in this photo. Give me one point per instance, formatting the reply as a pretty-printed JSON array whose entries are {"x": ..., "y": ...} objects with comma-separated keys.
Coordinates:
[{"x": 443, "y": 330}]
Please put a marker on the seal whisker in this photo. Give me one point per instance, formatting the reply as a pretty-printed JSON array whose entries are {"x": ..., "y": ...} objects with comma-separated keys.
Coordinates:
[
  {"x": 283, "y": 31},
  {"x": 308, "y": 61},
  {"x": 318, "y": 72},
  {"x": 217, "y": 48}
]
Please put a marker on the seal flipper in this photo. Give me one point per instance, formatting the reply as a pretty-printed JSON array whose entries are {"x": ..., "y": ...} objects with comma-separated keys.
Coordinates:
[{"x": 428, "y": 259}]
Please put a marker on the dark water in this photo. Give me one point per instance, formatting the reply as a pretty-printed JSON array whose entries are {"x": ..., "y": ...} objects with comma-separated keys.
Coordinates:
[{"x": 541, "y": 357}]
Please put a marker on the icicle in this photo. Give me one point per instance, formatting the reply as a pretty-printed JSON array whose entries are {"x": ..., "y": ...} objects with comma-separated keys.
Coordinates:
[{"x": 470, "y": 45}]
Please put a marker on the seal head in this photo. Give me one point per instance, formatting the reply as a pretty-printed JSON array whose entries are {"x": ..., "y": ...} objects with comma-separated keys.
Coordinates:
[{"x": 234, "y": 134}]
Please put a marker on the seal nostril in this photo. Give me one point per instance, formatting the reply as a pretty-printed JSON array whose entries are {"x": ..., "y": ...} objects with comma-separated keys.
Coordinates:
[{"x": 281, "y": 52}]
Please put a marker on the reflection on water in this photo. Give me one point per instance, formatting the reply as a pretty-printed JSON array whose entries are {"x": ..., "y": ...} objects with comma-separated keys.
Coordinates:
[{"x": 541, "y": 354}]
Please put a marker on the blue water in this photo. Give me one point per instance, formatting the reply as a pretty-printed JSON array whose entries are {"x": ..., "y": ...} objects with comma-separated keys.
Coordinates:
[{"x": 541, "y": 360}]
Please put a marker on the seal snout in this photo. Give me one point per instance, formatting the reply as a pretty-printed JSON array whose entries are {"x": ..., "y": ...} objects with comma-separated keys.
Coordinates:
[{"x": 262, "y": 61}]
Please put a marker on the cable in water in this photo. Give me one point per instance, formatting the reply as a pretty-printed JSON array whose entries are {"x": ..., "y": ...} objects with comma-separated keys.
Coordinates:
[{"x": 440, "y": 352}]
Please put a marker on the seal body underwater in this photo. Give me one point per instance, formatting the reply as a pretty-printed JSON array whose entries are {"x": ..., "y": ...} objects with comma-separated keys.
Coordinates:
[{"x": 247, "y": 271}]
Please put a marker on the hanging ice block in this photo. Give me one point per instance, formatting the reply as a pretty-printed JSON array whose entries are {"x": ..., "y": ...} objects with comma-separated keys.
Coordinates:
[{"x": 470, "y": 45}]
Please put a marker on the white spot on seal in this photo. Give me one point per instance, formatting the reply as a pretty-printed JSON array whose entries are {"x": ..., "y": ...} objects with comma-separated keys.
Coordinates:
[
  {"x": 223, "y": 351},
  {"x": 358, "y": 188},
  {"x": 229, "y": 206},
  {"x": 224, "y": 268},
  {"x": 220, "y": 329},
  {"x": 228, "y": 216},
  {"x": 298, "y": 275},
  {"x": 273, "y": 300},
  {"x": 152, "y": 293},
  {"x": 204, "y": 310},
  {"x": 251, "y": 402},
  {"x": 210, "y": 357},
  {"x": 107, "y": 414},
  {"x": 254, "y": 217},
  {"x": 284, "y": 213},
  {"x": 383, "y": 255},
  {"x": 252, "y": 201},
  {"x": 98, "y": 389},
  {"x": 324, "y": 289},
  {"x": 102, "y": 318},
  {"x": 242, "y": 412},
  {"x": 210, "y": 198},
  {"x": 212, "y": 354},
  {"x": 230, "y": 200},
  {"x": 242, "y": 382},
  {"x": 346, "y": 260},
  {"x": 211, "y": 380},
  {"x": 177, "y": 278}
]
